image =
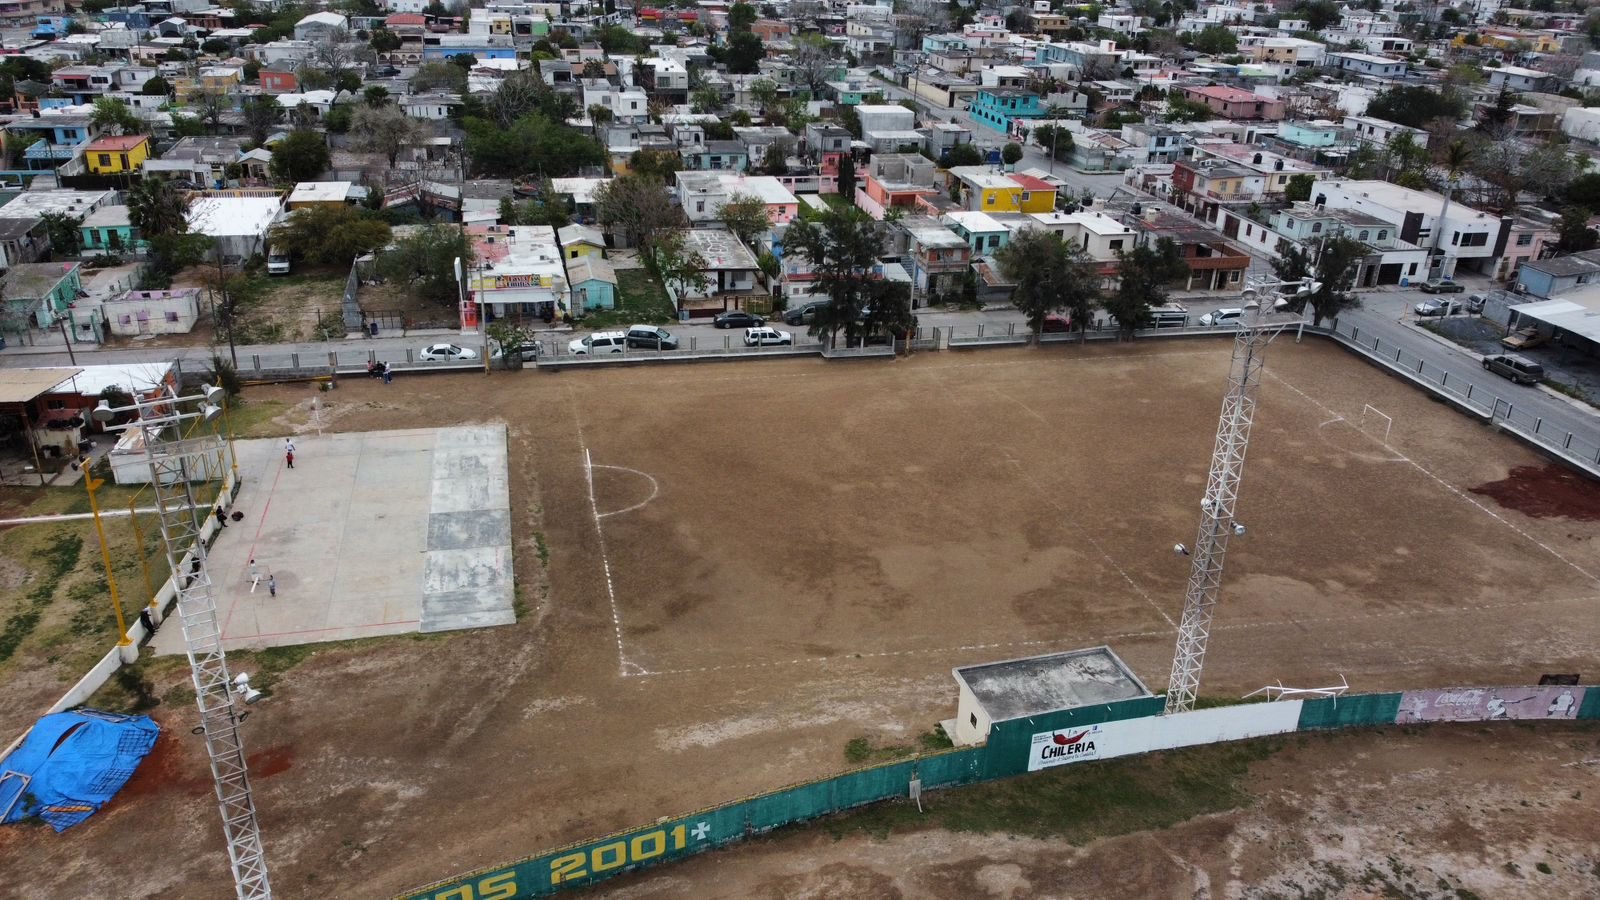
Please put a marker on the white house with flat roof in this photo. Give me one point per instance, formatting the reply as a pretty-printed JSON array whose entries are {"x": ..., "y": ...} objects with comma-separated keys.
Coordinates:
[
  {"x": 237, "y": 225},
  {"x": 1454, "y": 234},
  {"x": 703, "y": 194},
  {"x": 1034, "y": 686}
]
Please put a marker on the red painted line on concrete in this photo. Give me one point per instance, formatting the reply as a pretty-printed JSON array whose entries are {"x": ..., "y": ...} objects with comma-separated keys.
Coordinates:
[
  {"x": 334, "y": 628},
  {"x": 255, "y": 539}
]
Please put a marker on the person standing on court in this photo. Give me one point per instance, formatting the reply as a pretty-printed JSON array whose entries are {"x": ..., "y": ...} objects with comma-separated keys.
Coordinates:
[
  {"x": 288, "y": 451},
  {"x": 272, "y": 585}
]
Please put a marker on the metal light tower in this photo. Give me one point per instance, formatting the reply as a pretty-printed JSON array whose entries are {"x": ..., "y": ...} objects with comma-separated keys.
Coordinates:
[
  {"x": 173, "y": 459},
  {"x": 1222, "y": 487}
]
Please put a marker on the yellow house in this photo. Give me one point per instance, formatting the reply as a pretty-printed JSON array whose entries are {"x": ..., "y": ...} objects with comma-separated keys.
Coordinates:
[
  {"x": 991, "y": 192},
  {"x": 579, "y": 241},
  {"x": 117, "y": 155}
]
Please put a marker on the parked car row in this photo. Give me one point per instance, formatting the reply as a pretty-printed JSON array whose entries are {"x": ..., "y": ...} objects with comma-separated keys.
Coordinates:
[{"x": 651, "y": 337}]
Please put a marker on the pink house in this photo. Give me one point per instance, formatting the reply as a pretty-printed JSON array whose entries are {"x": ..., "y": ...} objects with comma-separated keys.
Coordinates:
[{"x": 1235, "y": 103}]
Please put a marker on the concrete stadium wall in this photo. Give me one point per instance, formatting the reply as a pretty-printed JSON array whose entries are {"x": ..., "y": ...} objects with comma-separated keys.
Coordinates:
[{"x": 1016, "y": 747}]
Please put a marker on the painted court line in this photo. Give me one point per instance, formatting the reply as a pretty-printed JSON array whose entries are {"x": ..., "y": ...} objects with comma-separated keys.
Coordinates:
[
  {"x": 1401, "y": 457},
  {"x": 605, "y": 563},
  {"x": 655, "y": 488}
]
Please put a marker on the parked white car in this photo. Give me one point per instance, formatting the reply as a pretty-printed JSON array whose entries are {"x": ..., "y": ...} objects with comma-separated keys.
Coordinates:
[
  {"x": 1229, "y": 316},
  {"x": 765, "y": 337},
  {"x": 599, "y": 342},
  {"x": 447, "y": 353}
]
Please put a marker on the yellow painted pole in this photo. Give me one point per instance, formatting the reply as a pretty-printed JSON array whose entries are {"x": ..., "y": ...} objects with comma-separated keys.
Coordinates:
[
  {"x": 144, "y": 561},
  {"x": 90, "y": 483}
]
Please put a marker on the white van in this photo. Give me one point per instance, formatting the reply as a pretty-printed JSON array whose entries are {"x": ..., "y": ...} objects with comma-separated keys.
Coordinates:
[{"x": 277, "y": 262}]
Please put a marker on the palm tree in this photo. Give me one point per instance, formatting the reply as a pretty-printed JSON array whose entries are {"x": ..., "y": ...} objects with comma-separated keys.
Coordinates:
[{"x": 158, "y": 208}]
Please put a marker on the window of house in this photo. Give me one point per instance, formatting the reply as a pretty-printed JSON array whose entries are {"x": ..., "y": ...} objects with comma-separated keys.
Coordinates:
[
  {"x": 699, "y": 206},
  {"x": 172, "y": 316},
  {"x": 1383, "y": 235},
  {"x": 1115, "y": 244},
  {"x": 1363, "y": 235},
  {"x": 1026, "y": 196},
  {"x": 1481, "y": 239},
  {"x": 1524, "y": 240},
  {"x": 1316, "y": 227},
  {"x": 1249, "y": 230},
  {"x": 989, "y": 200},
  {"x": 1455, "y": 239},
  {"x": 1412, "y": 270},
  {"x": 974, "y": 719},
  {"x": 105, "y": 159},
  {"x": 124, "y": 320}
]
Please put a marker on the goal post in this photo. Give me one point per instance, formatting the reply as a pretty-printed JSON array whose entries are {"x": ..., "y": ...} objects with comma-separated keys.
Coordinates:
[{"x": 1377, "y": 417}]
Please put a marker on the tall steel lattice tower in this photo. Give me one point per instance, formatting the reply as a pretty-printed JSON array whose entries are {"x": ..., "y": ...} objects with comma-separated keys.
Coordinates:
[
  {"x": 1256, "y": 331},
  {"x": 175, "y": 462}
]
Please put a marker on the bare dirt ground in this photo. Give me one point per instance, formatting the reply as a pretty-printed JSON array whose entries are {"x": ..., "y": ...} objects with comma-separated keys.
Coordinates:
[
  {"x": 799, "y": 553},
  {"x": 1447, "y": 812}
]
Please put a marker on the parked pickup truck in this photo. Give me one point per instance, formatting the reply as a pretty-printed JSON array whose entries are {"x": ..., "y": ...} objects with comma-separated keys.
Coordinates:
[{"x": 1523, "y": 338}]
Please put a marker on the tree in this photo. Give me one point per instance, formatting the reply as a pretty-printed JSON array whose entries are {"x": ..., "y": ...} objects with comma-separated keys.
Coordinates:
[
  {"x": 1055, "y": 140},
  {"x": 531, "y": 143},
  {"x": 746, "y": 216},
  {"x": 334, "y": 53},
  {"x": 157, "y": 207},
  {"x": 1143, "y": 275},
  {"x": 385, "y": 130},
  {"x": 775, "y": 161},
  {"x": 439, "y": 76},
  {"x": 156, "y": 87},
  {"x": 113, "y": 116},
  {"x": 1415, "y": 105},
  {"x": 1050, "y": 276},
  {"x": 681, "y": 269},
  {"x": 301, "y": 156},
  {"x": 635, "y": 207},
  {"x": 1299, "y": 187},
  {"x": 261, "y": 114},
  {"x": 520, "y": 95},
  {"x": 600, "y": 115},
  {"x": 741, "y": 17},
  {"x": 847, "y": 178},
  {"x": 814, "y": 59},
  {"x": 1583, "y": 191},
  {"x": 1335, "y": 267},
  {"x": 329, "y": 234},
  {"x": 1319, "y": 14},
  {"x": 385, "y": 41},
  {"x": 425, "y": 262},
  {"x": 509, "y": 338},
  {"x": 1216, "y": 40},
  {"x": 705, "y": 99},
  {"x": 661, "y": 164},
  {"x": 1493, "y": 118},
  {"x": 376, "y": 95},
  {"x": 65, "y": 238},
  {"x": 1293, "y": 262},
  {"x": 1011, "y": 153},
  {"x": 963, "y": 155},
  {"x": 1574, "y": 231},
  {"x": 841, "y": 246},
  {"x": 743, "y": 52}
]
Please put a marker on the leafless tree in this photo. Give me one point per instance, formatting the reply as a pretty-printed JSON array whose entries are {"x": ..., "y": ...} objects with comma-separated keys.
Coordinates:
[
  {"x": 334, "y": 52},
  {"x": 386, "y": 130}
]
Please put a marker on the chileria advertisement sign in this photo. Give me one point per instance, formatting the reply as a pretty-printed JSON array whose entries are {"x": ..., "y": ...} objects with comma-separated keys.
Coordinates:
[{"x": 1070, "y": 745}]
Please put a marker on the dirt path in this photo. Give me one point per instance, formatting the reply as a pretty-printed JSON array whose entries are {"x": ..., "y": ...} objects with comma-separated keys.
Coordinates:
[{"x": 1448, "y": 812}]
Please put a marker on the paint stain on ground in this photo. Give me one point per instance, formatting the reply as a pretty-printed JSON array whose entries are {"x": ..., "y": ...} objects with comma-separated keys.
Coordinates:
[
  {"x": 167, "y": 768},
  {"x": 271, "y": 761},
  {"x": 1546, "y": 492}
]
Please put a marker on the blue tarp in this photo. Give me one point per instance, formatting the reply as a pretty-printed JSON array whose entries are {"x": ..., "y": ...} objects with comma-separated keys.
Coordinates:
[{"x": 70, "y": 764}]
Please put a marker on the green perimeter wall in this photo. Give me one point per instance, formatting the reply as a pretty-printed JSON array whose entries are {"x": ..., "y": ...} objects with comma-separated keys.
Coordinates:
[{"x": 1005, "y": 755}]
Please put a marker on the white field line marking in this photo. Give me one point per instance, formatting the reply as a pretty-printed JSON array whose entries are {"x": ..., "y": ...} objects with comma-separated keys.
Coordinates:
[
  {"x": 1237, "y": 626},
  {"x": 1025, "y": 407},
  {"x": 605, "y": 563},
  {"x": 1401, "y": 457},
  {"x": 655, "y": 489}
]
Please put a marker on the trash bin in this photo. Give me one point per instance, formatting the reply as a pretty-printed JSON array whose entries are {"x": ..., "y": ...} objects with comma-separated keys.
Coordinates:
[{"x": 373, "y": 327}]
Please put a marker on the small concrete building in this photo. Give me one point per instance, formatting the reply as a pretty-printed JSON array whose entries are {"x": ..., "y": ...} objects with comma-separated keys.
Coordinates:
[
  {"x": 1036, "y": 685},
  {"x": 152, "y": 312}
]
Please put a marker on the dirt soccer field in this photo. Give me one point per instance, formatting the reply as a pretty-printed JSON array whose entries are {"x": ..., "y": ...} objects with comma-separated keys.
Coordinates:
[{"x": 751, "y": 564}]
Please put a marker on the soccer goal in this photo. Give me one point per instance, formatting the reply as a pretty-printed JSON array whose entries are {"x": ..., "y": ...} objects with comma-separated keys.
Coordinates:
[{"x": 1372, "y": 417}]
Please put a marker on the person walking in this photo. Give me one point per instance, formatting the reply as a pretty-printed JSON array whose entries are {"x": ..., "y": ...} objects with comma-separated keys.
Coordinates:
[
  {"x": 272, "y": 585},
  {"x": 288, "y": 451},
  {"x": 222, "y": 517}
]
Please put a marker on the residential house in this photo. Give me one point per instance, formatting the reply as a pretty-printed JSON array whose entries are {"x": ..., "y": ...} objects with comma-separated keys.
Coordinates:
[
  {"x": 1456, "y": 236},
  {"x": 593, "y": 283},
  {"x": 1005, "y": 109},
  {"x": 77, "y": 204},
  {"x": 518, "y": 275},
  {"x": 122, "y": 155},
  {"x": 108, "y": 230},
  {"x": 1233, "y": 103},
  {"x": 1519, "y": 80},
  {"x": 43, "y": 292},
  {"x": 57, "y": 137},
  {"x": 134, "y": 313},
  {"x": 703, "y": 194},
  {"x": 1378, "y": 132},
  {"x": 1153, "y": 142},
  {"x": 578, "y": 241},
  {"x": 943, "y": 90},
  {"x": 758, "y": 141},
  {"x": 664, "y": 79},
  {"x": 732, "y": 278},
  {"x": 828, "y": 144},
  {"x": 1367, "y": 64},
  {"x": 237, "y": 221},
  {"x": 1214, "y": 263},
  {"x": 1546, "y": 278},
  {"x": 886, "y": 126},
  {"x": 318, "y": 26},
  {"x": 23, "y": 240},
  {"x": 277, "y": 82},
  {"x": 984, "y": 234},
  {"x": 321, "y": 193},
  {"x": 939, "y": 259},
  {"x": 1286, "y": 53},
  {"x": 985, "y": 190},
  {"x": 897, "y": 181},
  {"x": 716, "y": 156},
  {"x": 942, "y": 137},
  {"x": 1389, "y": 259}
]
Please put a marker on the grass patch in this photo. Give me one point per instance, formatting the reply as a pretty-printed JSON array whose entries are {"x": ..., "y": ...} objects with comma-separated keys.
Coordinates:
[
  {"x": 269, "y": 665},
  {"x": 1080, "y": 803},
  {"x": 542, "y": 548},
  {"x": 253, "y": 418},
  {"x": 1561, "y": 387},
  {"x": 862, "y": 749},
  {"x": 641, "y": 299}
]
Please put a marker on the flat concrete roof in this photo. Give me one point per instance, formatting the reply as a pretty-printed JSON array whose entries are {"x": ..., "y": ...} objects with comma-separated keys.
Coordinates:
[
  {"x": 22, "y": 385},
  {"x": 1041, "y": 684}
]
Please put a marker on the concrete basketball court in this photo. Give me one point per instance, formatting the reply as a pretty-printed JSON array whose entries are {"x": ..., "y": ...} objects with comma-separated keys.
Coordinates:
[{"x": 374, "y": 533}]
